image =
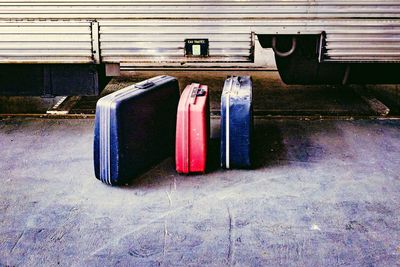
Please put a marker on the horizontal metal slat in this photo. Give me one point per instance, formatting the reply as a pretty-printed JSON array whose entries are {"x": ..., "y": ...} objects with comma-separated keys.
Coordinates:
[
  {"x": 249, "y": 22},
  {"x": 170, "y": 45},
  {"x": 176, "y": 30},
  {"x": 45, "y": 45},
  {"x": 365, "y": 53},
  {"x": 121, "y": 38},
  {"x": 42, "y": 60},
  {"x": 174, "y": 59},
  {"x": 196, "y": 2},
  {"x": 363, "y": 46},
  {"x": 364, "y": 39},
  {"x": 44, "y": 53},
  {"x": 22, "y": 29},
  {"x": 43, "y": 38},
  {"x": 57, "y": 9},
  {"x": 171, "y": 52}
]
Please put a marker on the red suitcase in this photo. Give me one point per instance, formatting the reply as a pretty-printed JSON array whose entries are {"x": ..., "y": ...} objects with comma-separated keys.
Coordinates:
[{"x": 192, "y": 129}]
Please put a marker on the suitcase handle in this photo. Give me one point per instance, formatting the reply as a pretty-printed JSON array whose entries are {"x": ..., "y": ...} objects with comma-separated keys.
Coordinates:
[
  {"x": 201, "y": 92},
  {"x": 198, "y": 92},
  {"x": 145, "y": 85}
]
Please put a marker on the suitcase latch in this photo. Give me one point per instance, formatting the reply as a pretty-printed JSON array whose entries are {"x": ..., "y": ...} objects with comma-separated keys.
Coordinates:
[
  {"x": 201, "y": 92},
  {"x": 145, "y": 85}
]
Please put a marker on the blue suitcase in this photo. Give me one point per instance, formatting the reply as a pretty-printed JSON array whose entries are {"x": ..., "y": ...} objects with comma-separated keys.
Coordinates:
[
  {"x": 135, "y": 129},
  {"x": 236, "y": 123}
]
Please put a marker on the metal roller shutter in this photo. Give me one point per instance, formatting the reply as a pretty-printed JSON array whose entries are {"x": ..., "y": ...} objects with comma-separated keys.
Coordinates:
[{"x": 45, "y": 42}]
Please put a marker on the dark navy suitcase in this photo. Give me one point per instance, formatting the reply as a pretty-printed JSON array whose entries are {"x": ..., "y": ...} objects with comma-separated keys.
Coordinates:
[
  {"x": 236, "y": 122},
  {"x": 135, "y": 129}
]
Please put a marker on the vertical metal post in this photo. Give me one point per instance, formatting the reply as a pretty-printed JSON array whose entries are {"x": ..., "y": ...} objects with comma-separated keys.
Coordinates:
[
  {"x": 95, "y": 42},
  {"x": 321, "y": 47},
  {"x": 47, "y": 82},
  {"x": 252, "y": 47}
]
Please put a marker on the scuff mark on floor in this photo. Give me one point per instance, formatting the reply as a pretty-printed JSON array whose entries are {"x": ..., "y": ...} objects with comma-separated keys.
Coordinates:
[
  {"x": 17, "y": 242},
  {"x": 231, "y": 246}
]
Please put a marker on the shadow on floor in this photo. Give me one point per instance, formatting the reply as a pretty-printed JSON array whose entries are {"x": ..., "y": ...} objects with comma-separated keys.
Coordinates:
[{"x": 276, "y": 145}]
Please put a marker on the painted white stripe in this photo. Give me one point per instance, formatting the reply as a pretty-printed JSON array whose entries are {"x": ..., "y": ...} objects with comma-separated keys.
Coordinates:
[
  {"x": 108, "y": 147},
  {"x": 102, "y": 142},
  {"x": 98, "y": 120},
  {"x": 227, "y": 126},
  {"x": 102, "y": 136}
]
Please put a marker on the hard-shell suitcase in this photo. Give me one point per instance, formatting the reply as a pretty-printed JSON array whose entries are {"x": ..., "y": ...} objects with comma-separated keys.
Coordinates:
[
  {"x": 192, "y": 129},
  {"x": 135, "y": 129},
  {"x": 236, "y": 122}
]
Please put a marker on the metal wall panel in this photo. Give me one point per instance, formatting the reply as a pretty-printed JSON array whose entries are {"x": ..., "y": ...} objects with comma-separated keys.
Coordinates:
[
  {"x": 222, "y": 9},
  {"x": 154, "y": 30},
  {"x": 163, "y": 41},
  {"x": 362, "y": 44},
  {"x": 45, "y": 42}
]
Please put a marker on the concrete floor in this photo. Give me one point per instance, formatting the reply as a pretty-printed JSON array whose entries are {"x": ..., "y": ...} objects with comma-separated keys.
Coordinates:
[{"x": 324, "y": 193}]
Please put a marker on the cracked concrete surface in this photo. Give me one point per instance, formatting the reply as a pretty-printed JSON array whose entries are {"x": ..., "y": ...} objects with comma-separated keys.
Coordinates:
[{"x": 323, "y": 193}]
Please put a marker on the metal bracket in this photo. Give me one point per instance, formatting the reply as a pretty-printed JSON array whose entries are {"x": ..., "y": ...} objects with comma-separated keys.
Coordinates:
[
  {"x": 280, "y": 53},
  {"x": 113, "y": 69},
  {"x": 95, "y": 42},
  {"x": 253, "y": 47},
  {"x": 321, "y": 48}
]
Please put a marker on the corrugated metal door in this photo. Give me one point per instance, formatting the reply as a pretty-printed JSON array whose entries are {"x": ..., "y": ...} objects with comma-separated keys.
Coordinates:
[
  {"x": 369, "y": 42},
  {"x": 45, "y": 42},
  {"x": 164, "y": 41}
]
